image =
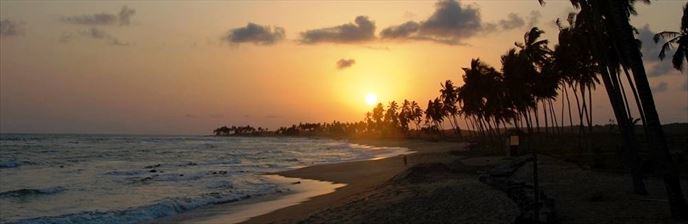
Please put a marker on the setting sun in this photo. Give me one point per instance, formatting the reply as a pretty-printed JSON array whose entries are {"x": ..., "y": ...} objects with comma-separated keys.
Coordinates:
[{"x": 371, "y": 99}]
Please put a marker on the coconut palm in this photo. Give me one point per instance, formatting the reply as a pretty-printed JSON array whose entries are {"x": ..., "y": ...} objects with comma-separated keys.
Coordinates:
[
  {"x": 609, "y": 20},
  {"x": 449, "y": 97},
  {"x": 680, "y": 39}
]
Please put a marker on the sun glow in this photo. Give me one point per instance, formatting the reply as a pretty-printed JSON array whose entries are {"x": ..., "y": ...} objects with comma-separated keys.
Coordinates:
[{"x": 371, "y": 99}]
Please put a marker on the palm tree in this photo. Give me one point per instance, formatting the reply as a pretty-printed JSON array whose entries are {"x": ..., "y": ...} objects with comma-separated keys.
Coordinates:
[
  {"x": 449, "y": 97},
  {"x": 416, "y": 114},
  {"x": 433, "y": 114},
  {"x": 391, "y": 118},
  {"x": 610, "y": 19},
  {"x": 677, "y": 38},
  {"x": 535, "y": 52},
  {"x": 378, "y": 115}
]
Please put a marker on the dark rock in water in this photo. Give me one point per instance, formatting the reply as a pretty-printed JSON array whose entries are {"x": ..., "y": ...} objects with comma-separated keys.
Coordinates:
[
  {"x": 424, "y": 172},
  {"x": 191, "y": 164},
  {"x": 31, "y": 192},
  {"x": 152, "y": 166},
  {"x": 153, "y": 171},
  {"x": 8, "y": 164}
]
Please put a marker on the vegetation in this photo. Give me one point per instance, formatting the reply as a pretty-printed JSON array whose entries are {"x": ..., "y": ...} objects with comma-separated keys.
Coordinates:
[{"x": 596, "y": 44}]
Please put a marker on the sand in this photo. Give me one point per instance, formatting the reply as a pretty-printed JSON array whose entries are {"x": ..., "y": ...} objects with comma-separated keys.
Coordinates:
[
  {"x": 440, "y": 185},
  {"x": 317, "y": 184},
  {"x": 359, "y": 177}
]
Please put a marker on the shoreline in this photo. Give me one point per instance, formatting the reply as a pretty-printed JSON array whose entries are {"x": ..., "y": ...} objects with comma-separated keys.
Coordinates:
[
  {"x": 360, "y": 176},
  {"x": 299, "y": 190},
  {"x": 319, "y": 186}
]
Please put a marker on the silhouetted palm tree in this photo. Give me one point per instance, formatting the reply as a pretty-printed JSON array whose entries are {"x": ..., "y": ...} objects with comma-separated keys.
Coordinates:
[
  {"x": 416, "y": 114},
  {"x": 449, "y": 97},
  {"x": 610, "y": 19},
  {"x": 676, "y": 38}
]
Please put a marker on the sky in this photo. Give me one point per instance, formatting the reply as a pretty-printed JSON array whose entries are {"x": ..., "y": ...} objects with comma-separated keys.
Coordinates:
[{"x": 178, "y": 67}]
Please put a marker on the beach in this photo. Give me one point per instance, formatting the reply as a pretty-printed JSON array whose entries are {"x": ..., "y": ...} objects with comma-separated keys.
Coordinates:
[
  {"x": 440, "y": 183},
  {"x": 358, "y": 179}
]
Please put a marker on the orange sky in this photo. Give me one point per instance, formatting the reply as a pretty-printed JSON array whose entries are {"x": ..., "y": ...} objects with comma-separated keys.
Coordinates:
[{"x": 170, "y": 69}]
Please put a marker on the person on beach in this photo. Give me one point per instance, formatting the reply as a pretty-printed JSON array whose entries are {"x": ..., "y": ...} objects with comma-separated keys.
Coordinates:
[{"x": 405, "y": 160}]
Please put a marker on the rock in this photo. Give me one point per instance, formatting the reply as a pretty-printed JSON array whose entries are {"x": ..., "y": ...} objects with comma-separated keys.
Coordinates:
[{"x": 152, "y": 166}]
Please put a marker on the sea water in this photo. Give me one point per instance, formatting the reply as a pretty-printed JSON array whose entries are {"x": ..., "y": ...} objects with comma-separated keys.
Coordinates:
[{"x": 132, "y": 179}]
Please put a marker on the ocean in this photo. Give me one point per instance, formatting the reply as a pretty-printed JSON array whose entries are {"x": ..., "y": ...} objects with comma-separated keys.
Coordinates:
[{"x": 47, "y": 178}]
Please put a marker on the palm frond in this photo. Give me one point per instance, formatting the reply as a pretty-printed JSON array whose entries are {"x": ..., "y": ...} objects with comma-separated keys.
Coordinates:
[
  {"x": 677, "y": 60},
  {"x": 665, "y": 35},
  {"x": 665, "y": 47}
]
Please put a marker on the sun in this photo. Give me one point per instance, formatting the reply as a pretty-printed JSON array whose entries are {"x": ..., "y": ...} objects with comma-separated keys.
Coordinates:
[{"x": 371, "y": 99}]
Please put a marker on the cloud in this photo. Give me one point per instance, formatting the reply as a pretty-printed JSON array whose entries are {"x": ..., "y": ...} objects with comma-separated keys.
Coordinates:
[
  {"x": 404, "y": 30},
  {"x": 513, "y": 21},
  {"x": 345, "y": 63},
  {"x": 653, "y": 65},
  {"x": 256, "y": 34},
  {"x": 9, "y": 28},
  {"x": 362, "y": 30},
  {"x": 96, "y": 33},
  {"x": 123, "y": 18},
  {"x": 661, "y": 87},
  {"x": 450, "y": 24}
]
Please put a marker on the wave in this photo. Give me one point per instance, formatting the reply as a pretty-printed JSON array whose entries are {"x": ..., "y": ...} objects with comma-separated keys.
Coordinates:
[
  {"x": 8, "y": 164},
  {"x": 146, "y": 213},
  {"x": 30, "y": 192}
]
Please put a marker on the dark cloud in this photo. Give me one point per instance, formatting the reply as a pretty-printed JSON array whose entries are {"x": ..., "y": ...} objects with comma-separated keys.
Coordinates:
[
  {"x": 9, "y": 28},
  {"x": 96, "y": 33},
  {"x": 661, "y": 87},
  {"x": 256, "y": 34},
  {"x": 450, "y": 24},
  {"x": 122, "y": 18},
  {"x": 405, "y": 30},
  {"x": 512, "y": 21},
  {"x": 362, "y": 30},
  {"x": 345, "y": 63},
  {"x": 451, "y": 19},
  {"x": 125, "y": 15},
  {"x": 653, "y": 65}
]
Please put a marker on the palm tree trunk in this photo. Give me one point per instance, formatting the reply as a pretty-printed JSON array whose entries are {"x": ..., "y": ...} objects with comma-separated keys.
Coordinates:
[
  {"x": 553, "y": 114},
  {"x": 590, "y": 109},
  {"x": 537, "y": 117},
  {"x": 544, "y": 113},
  {"x": 655, "y": 133},
  {"x": 568, "y": 102},
  {"x": 635, "y": 95},
  {"x": 631, "y": 146}
]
